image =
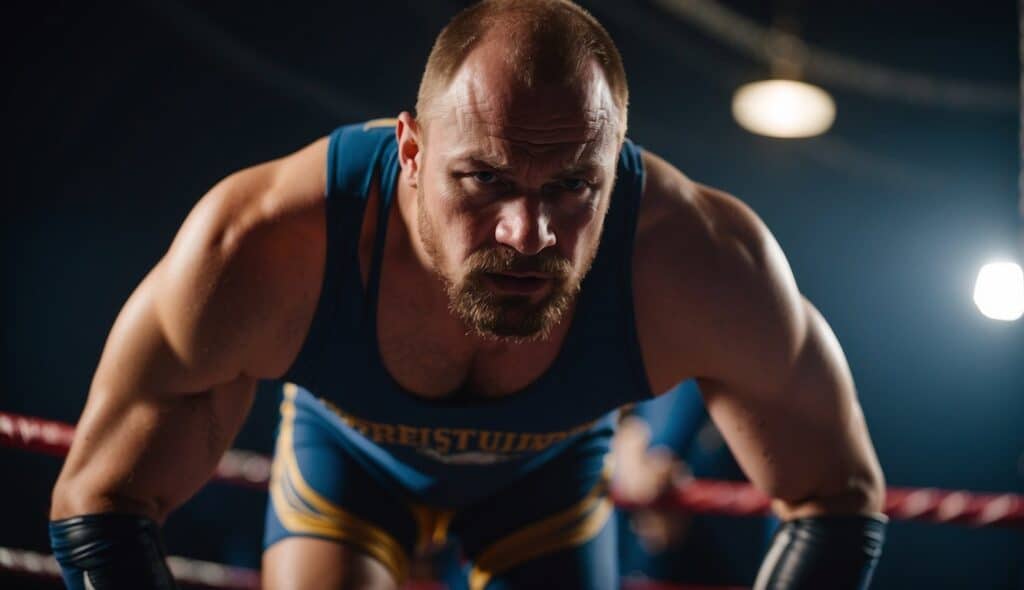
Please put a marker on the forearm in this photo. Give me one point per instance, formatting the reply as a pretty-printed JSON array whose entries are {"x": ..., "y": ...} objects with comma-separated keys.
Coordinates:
[
  {"x": 834, "y": 537},
  {"x": 147, "y": 453},
  {"x": 135, "y": 458}
]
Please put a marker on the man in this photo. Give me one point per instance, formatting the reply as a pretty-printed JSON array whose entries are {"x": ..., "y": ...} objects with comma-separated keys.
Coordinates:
[{"x": 481, "y": 288}]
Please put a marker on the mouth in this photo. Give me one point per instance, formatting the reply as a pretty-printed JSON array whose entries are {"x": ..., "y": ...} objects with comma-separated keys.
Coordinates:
[{"x": 518, "y": 283}]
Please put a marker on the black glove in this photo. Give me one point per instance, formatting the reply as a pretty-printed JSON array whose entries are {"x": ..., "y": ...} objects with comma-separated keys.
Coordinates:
[
  {"x": 823, "y": 552},
  {"x": 109, "y": 551}
]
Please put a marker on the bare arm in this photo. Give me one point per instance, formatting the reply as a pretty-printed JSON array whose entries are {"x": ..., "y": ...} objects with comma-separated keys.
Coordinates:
[
  {"x": 773, "y": 375},
  {"x": 800, "y": 433},
  {"x": 228, "y": 304}
]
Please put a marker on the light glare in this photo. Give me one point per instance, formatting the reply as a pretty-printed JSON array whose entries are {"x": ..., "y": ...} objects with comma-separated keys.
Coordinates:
[
  {"x": 999, "y": 291},
  {"x": 783, "y": 108}
]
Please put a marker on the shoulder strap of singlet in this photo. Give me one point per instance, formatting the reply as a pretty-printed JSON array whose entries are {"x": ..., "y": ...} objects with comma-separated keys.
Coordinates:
[
  {"x": 387, "y": 172},
  {"x": 615, "y": 274},
  {"x": 353, "y": 156},
  {"x": 356, "y": 154},
  {"x": 629, "y": 190}
]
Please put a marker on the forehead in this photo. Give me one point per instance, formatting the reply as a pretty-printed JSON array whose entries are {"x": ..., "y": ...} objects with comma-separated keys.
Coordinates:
[{"x": 488, "y": 112}]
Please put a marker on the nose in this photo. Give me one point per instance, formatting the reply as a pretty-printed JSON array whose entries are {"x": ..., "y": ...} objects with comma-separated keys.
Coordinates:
[{"x": 524, "y": 224}]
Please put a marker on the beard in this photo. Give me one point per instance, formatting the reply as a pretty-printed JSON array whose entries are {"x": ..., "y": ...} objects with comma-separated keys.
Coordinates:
[{"x": 502, "y": 317}]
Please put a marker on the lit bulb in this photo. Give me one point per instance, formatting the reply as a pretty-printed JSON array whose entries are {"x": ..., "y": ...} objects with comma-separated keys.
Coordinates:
[
  {"x": 999, "y": 291},
  {"x": 783, "y": 108}
]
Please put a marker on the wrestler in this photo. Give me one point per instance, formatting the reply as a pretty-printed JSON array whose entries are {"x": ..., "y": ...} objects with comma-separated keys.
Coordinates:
[{"x": 458, "y": 302}]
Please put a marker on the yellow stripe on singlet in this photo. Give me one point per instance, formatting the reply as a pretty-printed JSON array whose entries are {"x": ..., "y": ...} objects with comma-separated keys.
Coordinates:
[
  {"x": 571, "y": 527},
  {"x": 301, "y": 509},
  {"x": 374, "y": 123},
  {"x": 432, "y": 524}
]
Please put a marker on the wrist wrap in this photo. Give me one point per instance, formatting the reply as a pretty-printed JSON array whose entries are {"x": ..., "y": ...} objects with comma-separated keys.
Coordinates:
[
  {"x": 109, "y": 551},
  {"x": 835, "y": 552}
]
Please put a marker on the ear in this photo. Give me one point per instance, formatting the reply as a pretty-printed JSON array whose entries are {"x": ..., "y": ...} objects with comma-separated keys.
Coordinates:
[{"x": 410, "y": 144}]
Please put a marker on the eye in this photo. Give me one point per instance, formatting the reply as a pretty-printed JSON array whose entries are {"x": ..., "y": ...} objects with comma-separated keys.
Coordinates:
[
  {"x": 485, "y": 177},
  {"x": 572, "y": 184}
]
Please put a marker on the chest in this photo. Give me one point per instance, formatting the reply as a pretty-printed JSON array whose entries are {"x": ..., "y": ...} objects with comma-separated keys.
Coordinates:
[{"x": 428, "y": 353}]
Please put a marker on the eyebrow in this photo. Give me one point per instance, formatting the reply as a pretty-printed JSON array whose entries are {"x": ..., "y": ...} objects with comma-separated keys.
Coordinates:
[
  {"x": 581, "y": 169},
  {"x": 484, "y": 161}
]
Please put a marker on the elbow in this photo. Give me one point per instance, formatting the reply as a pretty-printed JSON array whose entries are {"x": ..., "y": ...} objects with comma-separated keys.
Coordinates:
[
  {"x": 60, "y": 501},
  {"x": 70, "y": 498},
  {"x": 866, "y": 485},
  {"x": 874, "y": 492},
  {"x": 76, "y": 494},
  {"x": 862, "y": 493}
]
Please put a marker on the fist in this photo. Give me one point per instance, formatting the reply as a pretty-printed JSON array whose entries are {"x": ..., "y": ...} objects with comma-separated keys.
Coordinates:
[{"x": 642, "y": 474}]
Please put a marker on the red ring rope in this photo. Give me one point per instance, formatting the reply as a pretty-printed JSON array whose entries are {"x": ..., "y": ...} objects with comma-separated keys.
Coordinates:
[
  {"x": 700, "y": 495},
  {"x": 205, "y": 574}
]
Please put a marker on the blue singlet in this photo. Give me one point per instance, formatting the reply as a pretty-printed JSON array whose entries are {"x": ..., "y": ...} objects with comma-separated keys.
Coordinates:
[{"x": 447, "y": 454}]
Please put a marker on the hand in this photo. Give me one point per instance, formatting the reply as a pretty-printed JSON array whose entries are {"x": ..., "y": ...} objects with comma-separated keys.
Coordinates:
[{"x": 642, "y": 474}]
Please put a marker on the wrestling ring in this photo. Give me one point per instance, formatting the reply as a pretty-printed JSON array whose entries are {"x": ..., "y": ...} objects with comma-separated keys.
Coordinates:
[{"x": 252, "y": 470}]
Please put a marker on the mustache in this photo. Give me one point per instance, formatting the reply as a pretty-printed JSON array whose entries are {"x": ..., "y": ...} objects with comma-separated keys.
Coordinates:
[{"x": 507, "y": 260}]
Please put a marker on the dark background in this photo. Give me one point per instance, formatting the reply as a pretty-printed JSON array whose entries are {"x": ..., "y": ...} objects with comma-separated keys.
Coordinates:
[{"x": 118, "y": 117}]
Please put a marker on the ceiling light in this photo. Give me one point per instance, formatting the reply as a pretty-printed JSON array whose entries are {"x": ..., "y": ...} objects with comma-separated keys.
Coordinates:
[
  {"x": 999, "y": 291},
  {"x": 783, "y": 108}
]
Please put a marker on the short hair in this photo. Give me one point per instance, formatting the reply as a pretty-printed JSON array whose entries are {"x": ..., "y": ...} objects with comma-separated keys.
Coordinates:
[{"x": 550, "y": 41}]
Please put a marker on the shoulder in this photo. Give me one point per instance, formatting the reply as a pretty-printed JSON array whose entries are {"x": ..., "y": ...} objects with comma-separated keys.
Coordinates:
[
  {"x": 244, "y": 271},
  {"x": 710, "y": 281},
  {"x": 677, "y": 212},
  {"x": 258, "y": 207}
]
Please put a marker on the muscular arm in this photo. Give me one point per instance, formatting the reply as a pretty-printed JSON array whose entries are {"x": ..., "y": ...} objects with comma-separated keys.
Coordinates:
[
  {"x": 716, "y": 300},
  {"x": 799, "y": 433},
  {"x": 228, "y": 304}
]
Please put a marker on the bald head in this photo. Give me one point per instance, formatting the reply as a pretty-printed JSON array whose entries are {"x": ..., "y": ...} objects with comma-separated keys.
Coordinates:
[{"x": 524, "y": 48}]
